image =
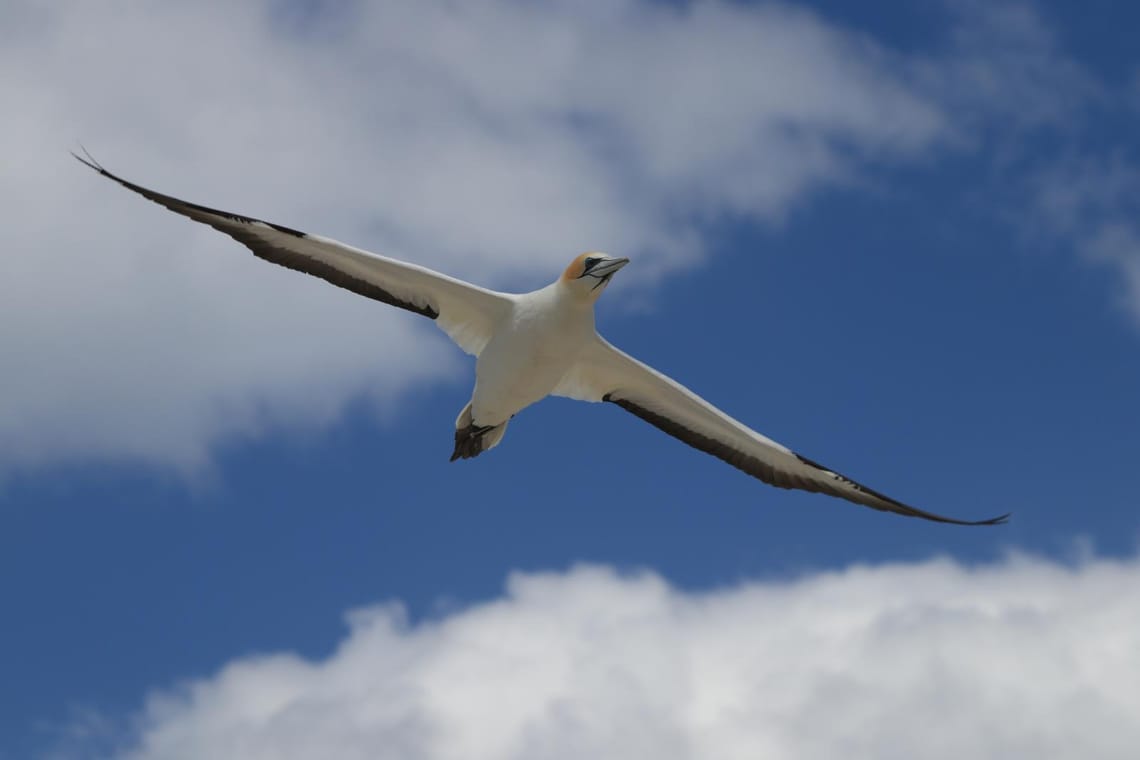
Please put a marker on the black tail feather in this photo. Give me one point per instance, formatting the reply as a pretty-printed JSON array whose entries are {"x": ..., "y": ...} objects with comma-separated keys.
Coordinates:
[{"x": 469, "y": 441}]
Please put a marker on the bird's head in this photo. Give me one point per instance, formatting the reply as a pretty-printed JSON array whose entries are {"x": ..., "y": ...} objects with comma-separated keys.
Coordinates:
[{"x": 589, "y": 273}]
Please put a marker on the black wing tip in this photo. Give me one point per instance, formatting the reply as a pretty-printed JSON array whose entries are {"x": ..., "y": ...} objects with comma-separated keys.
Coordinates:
[
  {"x": 999, "y": 520},
  {"x": 905, "y": 509},
  {"x": 88, "y": 160},
  {"x": 91, "y": 162}
]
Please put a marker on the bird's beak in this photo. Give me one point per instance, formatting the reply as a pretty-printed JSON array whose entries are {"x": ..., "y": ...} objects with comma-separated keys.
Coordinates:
[{"x": 607, "y": 267}]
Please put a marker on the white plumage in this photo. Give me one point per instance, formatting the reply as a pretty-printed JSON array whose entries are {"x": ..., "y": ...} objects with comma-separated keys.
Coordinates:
[{"x": 533, "y": 345}]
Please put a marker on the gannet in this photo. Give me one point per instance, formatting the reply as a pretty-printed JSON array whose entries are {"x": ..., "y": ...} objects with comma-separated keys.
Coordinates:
[{"x": 532, "y": 345}]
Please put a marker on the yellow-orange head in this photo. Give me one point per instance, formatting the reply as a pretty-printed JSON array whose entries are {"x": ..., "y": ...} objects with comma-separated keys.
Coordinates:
[{"x": 589, "y": 273}]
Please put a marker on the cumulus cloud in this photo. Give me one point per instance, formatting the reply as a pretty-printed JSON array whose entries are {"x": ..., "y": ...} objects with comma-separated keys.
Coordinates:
[
  {"x": 492, "y": 139},
  {"x": 1020, "y": 659}
]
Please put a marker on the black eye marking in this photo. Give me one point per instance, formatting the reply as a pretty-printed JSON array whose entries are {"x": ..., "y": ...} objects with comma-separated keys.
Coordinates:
[{"x": 590, "y": 263}]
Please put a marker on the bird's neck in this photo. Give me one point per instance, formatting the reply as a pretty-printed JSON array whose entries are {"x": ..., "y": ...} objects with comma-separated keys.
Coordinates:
[{"x": 573, "y": 296}]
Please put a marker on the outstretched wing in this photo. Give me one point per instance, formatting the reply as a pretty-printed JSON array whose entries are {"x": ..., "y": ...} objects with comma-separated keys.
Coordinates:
[
  {"x": 605, "y": 373},
  {"x": 467, "y": 313}
]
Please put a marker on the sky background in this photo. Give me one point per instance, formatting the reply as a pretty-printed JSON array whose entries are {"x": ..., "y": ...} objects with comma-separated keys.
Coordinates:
[{"x": 902, "y": 238}]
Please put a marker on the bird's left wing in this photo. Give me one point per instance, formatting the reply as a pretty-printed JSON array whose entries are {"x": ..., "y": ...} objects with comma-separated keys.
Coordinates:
[
  {"x": 466, "y": 312},
  {"x": 604, "y": 373}
]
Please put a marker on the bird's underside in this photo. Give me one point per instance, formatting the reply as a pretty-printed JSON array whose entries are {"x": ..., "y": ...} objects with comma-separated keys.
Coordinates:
[{"x": 472, "y": 317}]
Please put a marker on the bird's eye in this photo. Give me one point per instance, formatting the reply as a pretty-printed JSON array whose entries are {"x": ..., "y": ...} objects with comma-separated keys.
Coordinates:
[{"x": 590, "y": 263}]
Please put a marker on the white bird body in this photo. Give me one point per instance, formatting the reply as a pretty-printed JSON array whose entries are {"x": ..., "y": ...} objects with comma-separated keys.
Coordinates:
[
  {"x": 530, "y": 352},
  {"x": 533, "y": 345}
]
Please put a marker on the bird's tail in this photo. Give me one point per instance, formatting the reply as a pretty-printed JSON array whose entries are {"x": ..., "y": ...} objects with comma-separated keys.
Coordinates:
[{"x": 471, "y": 440}]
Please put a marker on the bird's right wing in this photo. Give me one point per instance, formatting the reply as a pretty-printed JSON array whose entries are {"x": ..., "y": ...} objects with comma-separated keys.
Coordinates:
[
  {"x": 467, "y": 313},
  {"x": 603, "y": 373}
]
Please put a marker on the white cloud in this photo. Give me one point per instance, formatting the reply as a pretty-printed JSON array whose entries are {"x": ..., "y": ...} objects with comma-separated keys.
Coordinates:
[
  {"x": 1020, "y": 659},
  {"x": 492, "y": 139}
]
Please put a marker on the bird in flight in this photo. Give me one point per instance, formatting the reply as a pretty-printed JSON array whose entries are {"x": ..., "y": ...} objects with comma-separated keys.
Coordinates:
[{"x": 533, "y": 345}]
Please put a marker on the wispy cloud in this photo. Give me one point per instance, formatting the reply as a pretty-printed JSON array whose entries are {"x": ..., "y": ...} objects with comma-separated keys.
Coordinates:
[
  {"x": 1002, "y": 72},
  {"x": 1117, "y": 243},
  {"x": 1021, "y": 659},
  {"x": 1093, "y": 203}
]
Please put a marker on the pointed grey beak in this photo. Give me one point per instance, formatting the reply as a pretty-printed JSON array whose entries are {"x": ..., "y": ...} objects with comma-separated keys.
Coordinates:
[{"x": 607, "y": 267}]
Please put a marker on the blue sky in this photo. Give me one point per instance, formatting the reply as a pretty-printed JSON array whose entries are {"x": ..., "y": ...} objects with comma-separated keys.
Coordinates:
[{"x": 916, "y": 260}]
